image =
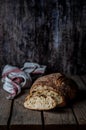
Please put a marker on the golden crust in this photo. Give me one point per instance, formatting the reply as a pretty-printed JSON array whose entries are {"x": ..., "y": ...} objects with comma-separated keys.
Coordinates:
[
  {"x": 62, "y": 88},
  {"x": 56, "y": 82}
]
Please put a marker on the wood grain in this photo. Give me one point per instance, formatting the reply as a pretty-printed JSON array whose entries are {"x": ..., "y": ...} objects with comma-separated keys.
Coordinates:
[
  {"x": 79, "y": 106},
  {"x": 50, "y": 32},
  {"x": 70, "y": 117},
  {"x": 24, "y": 117},
  {"x": 5, "y": 106}
]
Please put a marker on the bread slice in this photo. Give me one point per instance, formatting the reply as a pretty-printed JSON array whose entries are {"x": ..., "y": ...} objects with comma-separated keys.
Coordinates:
[
  {"x": 40, "y": 102},
  {"x": 43, "y": 100}
]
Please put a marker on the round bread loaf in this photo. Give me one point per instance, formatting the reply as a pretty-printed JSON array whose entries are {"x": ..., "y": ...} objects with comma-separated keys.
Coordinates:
[{"x": 50, "y": 91}]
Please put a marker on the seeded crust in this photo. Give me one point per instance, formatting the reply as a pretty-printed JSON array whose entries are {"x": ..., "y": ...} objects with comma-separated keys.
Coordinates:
[
  {"x": 50, "y": 91},
  {"x": 58, "y": 83}
]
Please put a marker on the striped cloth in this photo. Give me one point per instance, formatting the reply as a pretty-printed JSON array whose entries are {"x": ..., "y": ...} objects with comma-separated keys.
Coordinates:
[{"x": 14, "y": 78}]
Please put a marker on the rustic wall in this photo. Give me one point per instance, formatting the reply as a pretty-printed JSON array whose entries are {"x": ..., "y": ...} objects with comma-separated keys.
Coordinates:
[{"x": 51, "y": 32}]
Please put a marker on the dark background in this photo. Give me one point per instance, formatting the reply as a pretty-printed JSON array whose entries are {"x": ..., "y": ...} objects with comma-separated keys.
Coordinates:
[{"x": 50, "y": 32}]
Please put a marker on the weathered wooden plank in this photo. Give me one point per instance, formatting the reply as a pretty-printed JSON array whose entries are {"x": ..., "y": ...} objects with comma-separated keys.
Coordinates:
[
  {"x": 5, "y": 106},
  {"x": 50, "y": 32},
  {"x": 79, "y": 106},
  {"x": 18, "y": 29},
  {"x": 23, "y": 118},
  {"x": 61, "y": 119}
]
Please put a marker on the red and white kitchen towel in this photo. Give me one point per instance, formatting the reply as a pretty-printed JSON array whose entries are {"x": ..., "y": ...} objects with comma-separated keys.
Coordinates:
[{"x": 14, "y": 78}]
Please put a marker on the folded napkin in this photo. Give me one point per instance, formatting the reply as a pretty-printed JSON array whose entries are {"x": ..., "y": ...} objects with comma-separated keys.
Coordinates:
[{"x": 14, "y": 78}]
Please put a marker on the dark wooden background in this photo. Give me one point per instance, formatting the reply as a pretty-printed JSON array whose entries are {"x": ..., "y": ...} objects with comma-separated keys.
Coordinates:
[{"x": 50, "y": 32}]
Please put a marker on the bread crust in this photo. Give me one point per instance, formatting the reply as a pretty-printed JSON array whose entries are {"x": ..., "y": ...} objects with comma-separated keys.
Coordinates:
[
  {"x": 63, "y": 88},
  {"x": 58, "y": 83}
]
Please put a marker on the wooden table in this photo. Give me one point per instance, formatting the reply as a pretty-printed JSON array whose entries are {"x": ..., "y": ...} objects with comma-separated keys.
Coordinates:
[{"x": 13, "y": 115}]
